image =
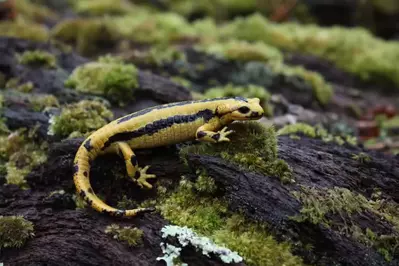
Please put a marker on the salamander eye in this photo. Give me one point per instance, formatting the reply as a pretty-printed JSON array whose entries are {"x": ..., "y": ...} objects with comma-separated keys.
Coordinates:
[{"x": 243, "y": 109}]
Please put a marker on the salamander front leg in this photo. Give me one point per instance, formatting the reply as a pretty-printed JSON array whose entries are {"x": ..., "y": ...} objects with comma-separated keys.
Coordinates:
[
  {"x": 205, "y": 133},
  {"x": 138, "y": 174}
]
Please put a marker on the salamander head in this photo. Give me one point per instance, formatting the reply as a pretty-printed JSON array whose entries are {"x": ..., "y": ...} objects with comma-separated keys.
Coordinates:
[{"x": 241, "y": 109}]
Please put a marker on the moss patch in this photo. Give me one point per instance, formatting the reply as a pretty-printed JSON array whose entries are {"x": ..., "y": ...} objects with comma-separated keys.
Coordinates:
[
  {"x": 315, "y": 132},
  {"x": 195, "y": 207},
  {"x": 24, "y": 30},
  {"x": 355, "y": 50},
  {"x": 102, "y": 7},
  {"x": 85, "y": 34},
  {"x": 21, "y": 154},
  {"x": 319, "y": 204},
  {"x": 80, "y": 119},
  {"x": 133, "y": 236},
  {"x": 14, "y": 231},
  {"x": 116, "y": 81},
  {"x": 259, "y": 153},
  {"x": 244, "y": 51},
  {"x": 37, "y": 58},
  {"x": 15, "y": 84},
  {"x": 30, "y": 11}
]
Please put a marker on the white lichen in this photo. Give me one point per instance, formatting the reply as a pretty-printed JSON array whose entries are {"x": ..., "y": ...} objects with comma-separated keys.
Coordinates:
[
  {"x": 171, "y": 254},
  {"x": 186, "y": 236}
]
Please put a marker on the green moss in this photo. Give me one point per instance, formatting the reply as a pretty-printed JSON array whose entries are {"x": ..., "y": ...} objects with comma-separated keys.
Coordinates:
[
  {"x": 102, "y": 7},
  {"x": 189, "y": 205},
  {"x": 362, "y": 157},
  {"x": 151, "y": 28},
  {"x": 133, "y": 236},
  {"x": 316, "y": 132},
  {"x": 219, "y": 10},
  {"x": 321, "y": 89},
  {"x": 24, "y": 30},
  {"x": 21, "y": 154},
  {"x": 355, "y": 50},
  {"x": 244, "y": 51},
  {"x": 37, "y": 58},
  {"x": 115, "y": 81},
  {"x": 391, "y": 123},
  {"x": 41, "y": 102},
  {"x": 33, "y": 12},
  {"x": 84, "y": 34},
  {"x": 110, "y": 59},
  {"x": 259, "y": 153},
  {"x": 15, "y": 84},
  {"x": 303, "y": 128},
  {"x": 204, "y": 183},
  {"x": 319, "y": 204},
  {"x": 249, "y": 91},
  {"x": 261, "y": 52},
  {"x": 158, "y": 55},
  {"x": 14, "y": 231},
  {"x": 80, "y": 119}
]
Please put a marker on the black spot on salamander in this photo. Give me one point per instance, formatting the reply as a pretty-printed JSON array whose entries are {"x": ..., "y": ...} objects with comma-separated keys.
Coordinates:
[
  {"x": 201, "y": 134},
  {"x": 85, "y": 173},
  {"x": 82, "y": 194},
  {"x": 75, "y": 168},
  {"x": 106, "y": 212},
  {"x": 158, "y": 125},
  {"x": 216, "y": 136},
  {"x": 87, "y": 145},
  {"x": 90, "y": 190},
  {"x": 133, "y": 160}
]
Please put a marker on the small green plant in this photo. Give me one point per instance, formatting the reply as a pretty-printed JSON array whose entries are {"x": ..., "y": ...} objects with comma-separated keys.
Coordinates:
[
  {"x": 315, "y": 132},
  {"x": 14, "y": 231},
  {"x": 14, "y": 83},
  {"x": 133, "y": 236},
  {"x": 37, "y": 58},
  {"x": 80, "y": 119},
  {"x": 21, "y": 154},
  {"x": 110, "y": 78},
  {"x": 362, "y": 157},
  {"x": 244, "y": 51}
]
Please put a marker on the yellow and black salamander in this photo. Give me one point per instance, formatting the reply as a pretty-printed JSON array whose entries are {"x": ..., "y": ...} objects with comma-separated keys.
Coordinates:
[{"x": 153, "y": 127}]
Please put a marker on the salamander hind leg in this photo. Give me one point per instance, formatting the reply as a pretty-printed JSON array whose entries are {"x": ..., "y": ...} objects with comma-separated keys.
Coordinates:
[
  {"x": 138, "y": 174},
  {"x": 142, "y": 177}
]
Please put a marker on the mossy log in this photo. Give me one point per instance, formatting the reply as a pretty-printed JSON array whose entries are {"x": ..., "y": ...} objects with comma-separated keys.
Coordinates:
[
  {"x": 77, "y": 236},
  {"x": 52, "y": 80}
]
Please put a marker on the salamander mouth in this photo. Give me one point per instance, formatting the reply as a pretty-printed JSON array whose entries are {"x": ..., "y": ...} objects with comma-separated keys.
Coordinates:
[{"x": 256, "y": 115}]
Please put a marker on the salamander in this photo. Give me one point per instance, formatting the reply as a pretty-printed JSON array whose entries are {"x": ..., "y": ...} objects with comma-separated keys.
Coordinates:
[{"x": 201, "y": 120}]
